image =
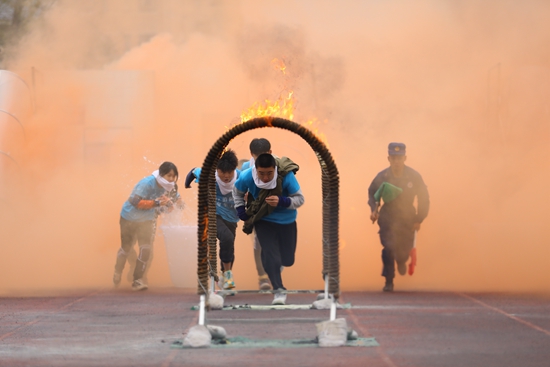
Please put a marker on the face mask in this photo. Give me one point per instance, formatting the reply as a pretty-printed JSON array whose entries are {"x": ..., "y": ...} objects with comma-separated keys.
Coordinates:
[
  {"x": 226, "y": 187},
  {"x": 166, "y": 185},
  {"x": 264, "y": 185}
]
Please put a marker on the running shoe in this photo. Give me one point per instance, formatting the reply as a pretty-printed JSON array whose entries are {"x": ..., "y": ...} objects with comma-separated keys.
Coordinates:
[
  {"x": 279, "y": 299},
  {"x": 228, "y": 283},
  {"x": 116, "y": 279},
  {"x": 139, "y": 285},
  {"x": 263, "y": 282}
]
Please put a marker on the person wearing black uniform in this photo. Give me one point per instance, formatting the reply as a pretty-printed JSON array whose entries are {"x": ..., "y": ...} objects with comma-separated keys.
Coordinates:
[{"x": 398, "y": 218}]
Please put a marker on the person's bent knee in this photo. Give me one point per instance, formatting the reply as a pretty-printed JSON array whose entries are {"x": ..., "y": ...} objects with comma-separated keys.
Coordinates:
[
  {"x": 144, "y": 253},
  {"x": 288, "y": 263}
]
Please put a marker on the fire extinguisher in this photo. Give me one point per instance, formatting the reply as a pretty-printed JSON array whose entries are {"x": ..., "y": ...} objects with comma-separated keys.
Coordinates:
[{"x": 413, "y": 256}]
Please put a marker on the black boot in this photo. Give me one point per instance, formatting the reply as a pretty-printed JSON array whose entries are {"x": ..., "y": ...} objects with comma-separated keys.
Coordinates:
[{"x": 389, "y": 286}]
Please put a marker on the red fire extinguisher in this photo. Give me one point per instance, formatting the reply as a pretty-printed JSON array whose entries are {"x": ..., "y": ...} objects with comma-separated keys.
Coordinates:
[{"x": 412, "y": 264}]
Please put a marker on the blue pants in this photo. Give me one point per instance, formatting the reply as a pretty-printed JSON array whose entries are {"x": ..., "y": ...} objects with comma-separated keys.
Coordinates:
[
  {"x": 278, "y": 248},
  {"x": 397, "y": 238},
  {"x": 226, "y": 235}
]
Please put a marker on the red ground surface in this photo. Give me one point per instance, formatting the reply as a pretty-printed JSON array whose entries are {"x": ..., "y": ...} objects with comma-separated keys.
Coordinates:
[{"x": 124, "y": 328}]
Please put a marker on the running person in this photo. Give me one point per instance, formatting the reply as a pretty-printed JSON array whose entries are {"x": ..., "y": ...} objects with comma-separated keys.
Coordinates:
[
  {"x": 138, "y": 219},
  {"x": 398, "y": 219},
  {"x": 226, "y": 215},
  {"x": 258, "y": 146},
  {"x": 274, "y": 194}
]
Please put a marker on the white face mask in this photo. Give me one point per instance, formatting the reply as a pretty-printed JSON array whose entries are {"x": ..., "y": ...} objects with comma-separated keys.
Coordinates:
[
  {"x": 166, "y": 185},
  {"x": 264, "y": 185},
  {"x": 226, "y": 187}
]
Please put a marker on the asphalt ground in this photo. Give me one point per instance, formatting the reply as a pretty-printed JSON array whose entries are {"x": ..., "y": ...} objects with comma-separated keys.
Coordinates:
[{"x": 108, "y": 327}]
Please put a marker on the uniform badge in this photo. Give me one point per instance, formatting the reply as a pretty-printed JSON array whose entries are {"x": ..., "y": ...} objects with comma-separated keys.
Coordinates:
[{"x": 410, "y": 185}]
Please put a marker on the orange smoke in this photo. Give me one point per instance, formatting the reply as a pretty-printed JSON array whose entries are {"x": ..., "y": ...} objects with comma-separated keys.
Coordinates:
[{"x": 120, "y": 88}]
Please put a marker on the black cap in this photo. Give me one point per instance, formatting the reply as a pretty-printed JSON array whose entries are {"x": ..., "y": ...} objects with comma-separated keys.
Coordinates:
[{"x": 397, "y": 149}]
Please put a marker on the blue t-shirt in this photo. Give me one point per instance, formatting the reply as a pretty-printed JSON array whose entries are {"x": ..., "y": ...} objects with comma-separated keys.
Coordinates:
[
  {"x": 147, "y": 189},
  {"x": 245, "y": 165},
  {"x": 225, "y": 206},
  {"x": 245, "y": 183}
]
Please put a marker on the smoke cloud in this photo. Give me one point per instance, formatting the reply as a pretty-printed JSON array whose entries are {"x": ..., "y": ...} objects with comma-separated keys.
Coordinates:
[{"x": 120, "y": 87}]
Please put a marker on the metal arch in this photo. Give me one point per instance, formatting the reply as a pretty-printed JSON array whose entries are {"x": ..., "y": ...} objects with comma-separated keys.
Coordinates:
[
  {"x": 15, "y": 75},
  {"x": 207, "y": 242},
  {"x": 10, "y": 157},
  {"x": 33, "y": 105},
  {"x": 16, "y": 119}
]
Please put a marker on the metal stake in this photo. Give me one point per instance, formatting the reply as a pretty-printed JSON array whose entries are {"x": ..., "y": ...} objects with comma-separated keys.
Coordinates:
[
  {"x": 201, "y": 311},
  {"x": 326, "y": 286}
]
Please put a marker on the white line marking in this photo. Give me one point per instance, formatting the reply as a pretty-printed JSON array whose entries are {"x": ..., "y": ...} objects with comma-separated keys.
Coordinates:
[{"x": 527, "y": 323}]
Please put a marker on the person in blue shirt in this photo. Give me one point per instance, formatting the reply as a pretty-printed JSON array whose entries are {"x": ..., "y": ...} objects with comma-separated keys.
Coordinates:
[
  {"x": 398, "y": 218},
  {"x": 226, "y": 215},
  {"x": 274, "y": 194},
  {"x": 138, "y": 217},
  {"x": 258, "y": 146}
]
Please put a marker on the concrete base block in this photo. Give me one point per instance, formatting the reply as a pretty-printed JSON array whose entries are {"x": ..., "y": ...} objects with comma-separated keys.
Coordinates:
[
  {"x": 324, "y": 304},
  {"x": 198, "y": 337},
  {"x": 217, "y": 332},
  {"x": 215, "y": 301},
  {"x": 352, "y": 335},
  {"x": 332, "y": 333}
]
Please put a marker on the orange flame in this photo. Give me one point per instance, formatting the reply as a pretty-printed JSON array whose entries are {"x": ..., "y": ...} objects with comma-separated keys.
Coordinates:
[
  {"x": 204, "y": 237},
  {"x": 282, "y": 107},
  {"x": 313, "y": 125},
  {"x": 279, "y": 64}
]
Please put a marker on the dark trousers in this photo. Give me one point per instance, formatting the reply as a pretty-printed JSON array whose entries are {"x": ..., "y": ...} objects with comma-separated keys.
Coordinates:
[
  {"x": 226, "y": 235},
  {"x": 397, "y": 238},
  {"x": 278, "y": 248},
  {"x": 130, "y": 232}
]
